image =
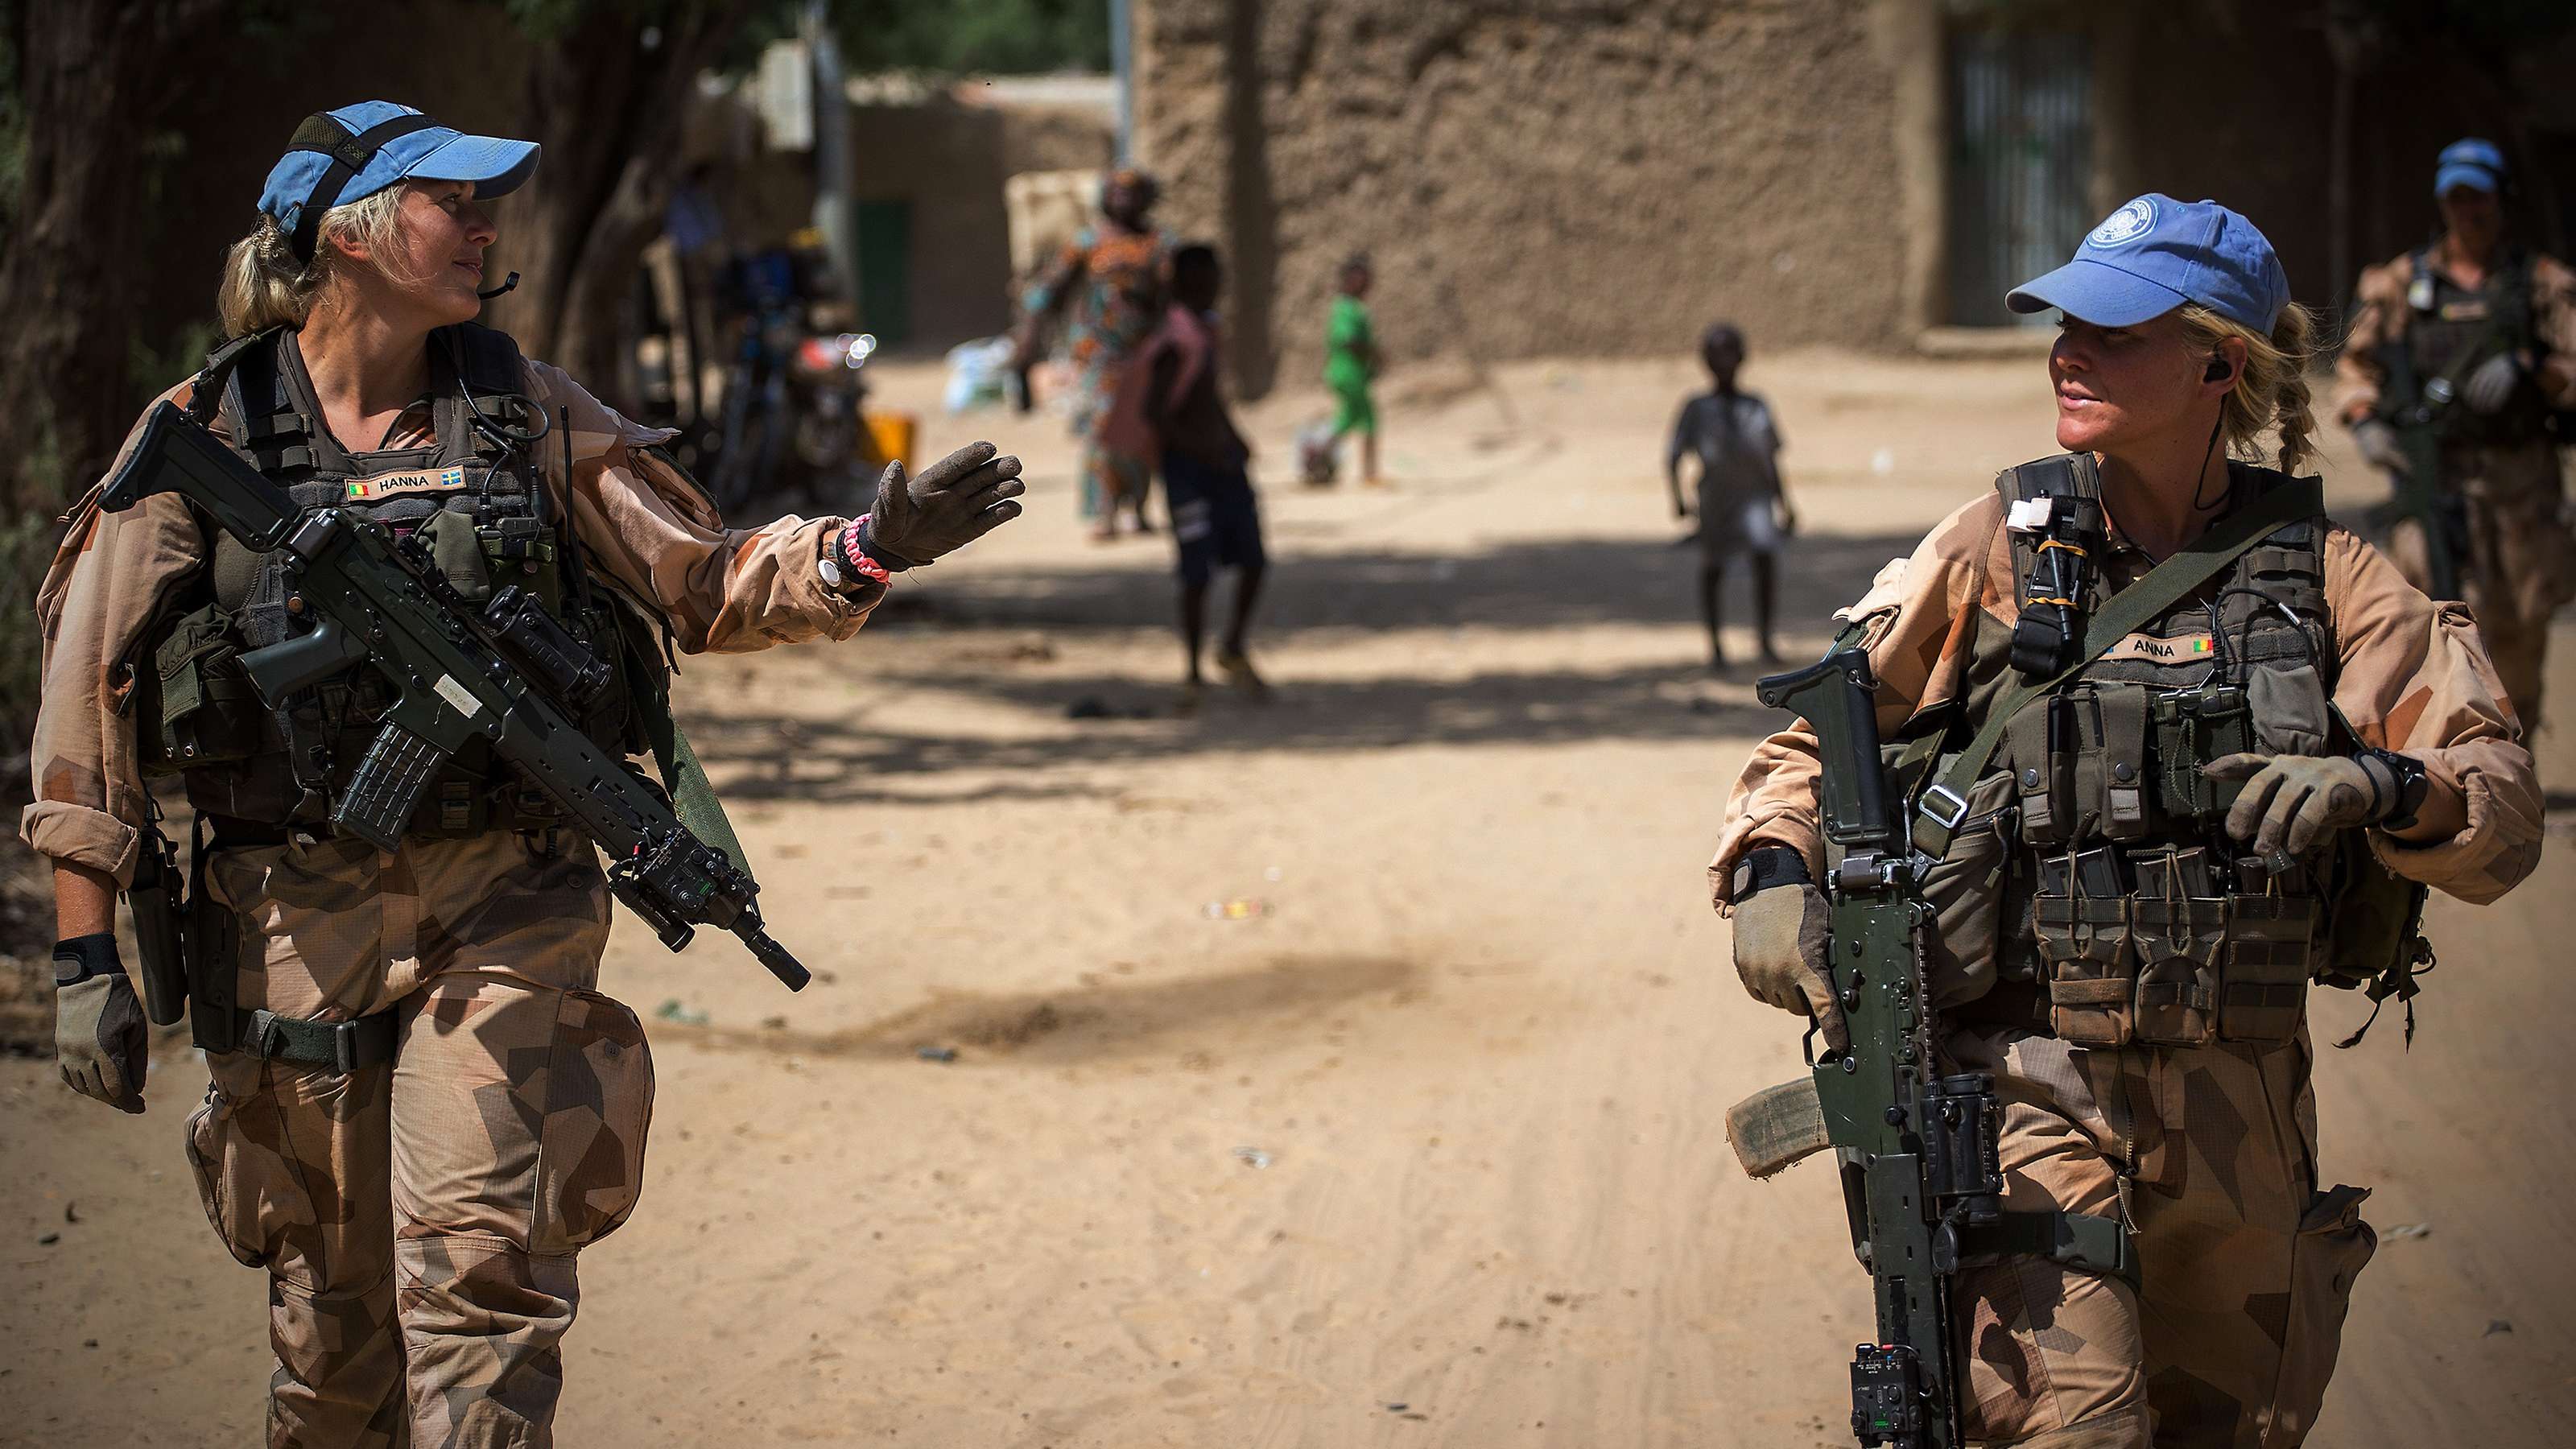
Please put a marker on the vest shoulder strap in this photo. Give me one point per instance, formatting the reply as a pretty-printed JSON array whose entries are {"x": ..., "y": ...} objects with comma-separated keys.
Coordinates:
[{"x": 486, "y": 358}]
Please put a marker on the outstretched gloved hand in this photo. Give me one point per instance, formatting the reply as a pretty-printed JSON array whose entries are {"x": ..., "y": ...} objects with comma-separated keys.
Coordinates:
[
  {"x": 99, "y": 1038},
  {"x": 2489, "y": 388},
  {"x": 2291, "y": 802},
  {"x": 1780, "y": 954},
  {"x": 952, "y": 503},
  {"x": 2377, "y": 438}
]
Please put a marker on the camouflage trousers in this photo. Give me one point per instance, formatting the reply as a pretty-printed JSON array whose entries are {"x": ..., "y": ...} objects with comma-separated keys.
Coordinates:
[
  {"x": 2521, "y": 563},
  {"x": 419, "y": 1218},
  {"x": 2210, "y": 1153}
]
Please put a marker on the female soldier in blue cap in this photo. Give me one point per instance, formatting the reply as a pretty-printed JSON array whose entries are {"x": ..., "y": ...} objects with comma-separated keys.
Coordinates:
[
  {"x": 2469, "y": 343},
  {"x": 421, "y": 1108},
  {"x": 2133, "y": 893}
]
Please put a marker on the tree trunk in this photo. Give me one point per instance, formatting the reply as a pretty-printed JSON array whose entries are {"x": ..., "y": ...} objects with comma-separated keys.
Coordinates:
[
  {"x": 93, "y": 82},
  {"x": 607, "y": 106}
]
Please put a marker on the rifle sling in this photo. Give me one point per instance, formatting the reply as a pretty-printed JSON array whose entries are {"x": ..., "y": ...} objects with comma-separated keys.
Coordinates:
[
  {"x": 2163, "y": 586},
  {"x": 692, "y": 798},
  {"x": 2082, "y": 1241}
]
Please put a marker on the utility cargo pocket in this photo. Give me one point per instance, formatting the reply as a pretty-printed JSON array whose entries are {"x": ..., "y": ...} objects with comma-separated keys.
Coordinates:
[
  {"x": 231, "y": 1200},
  {"x": 1965, "y": 890},
  {"x": 206, "y": 711},
  {"x": 2332, "y": 1248},
  {"x": 599, "y": 1105},
  {"x": 2084, "y": 944},
  {"x": 2270, "y": 956}
]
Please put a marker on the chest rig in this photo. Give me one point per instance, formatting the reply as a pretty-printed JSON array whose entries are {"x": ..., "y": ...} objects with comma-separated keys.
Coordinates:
[
  {"x": 2450, "y": 330},
  {"x": 2126, "y": 912},
  {"x": 473, "y": 493}
]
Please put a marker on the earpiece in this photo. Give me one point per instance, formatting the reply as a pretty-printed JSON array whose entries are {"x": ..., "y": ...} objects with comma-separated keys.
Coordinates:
[{"x": 2218, "y": 370}]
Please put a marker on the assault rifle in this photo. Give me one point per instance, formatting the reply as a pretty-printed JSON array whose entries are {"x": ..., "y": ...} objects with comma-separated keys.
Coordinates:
[
  {"x": 2421, "y": 416},
  {"x": 502, "y": 673},
  {"x": 1920, "y": 1152}
]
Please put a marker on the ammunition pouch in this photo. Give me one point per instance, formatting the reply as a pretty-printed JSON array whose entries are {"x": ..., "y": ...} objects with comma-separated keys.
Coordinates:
[{"x": 199, "y": 708}]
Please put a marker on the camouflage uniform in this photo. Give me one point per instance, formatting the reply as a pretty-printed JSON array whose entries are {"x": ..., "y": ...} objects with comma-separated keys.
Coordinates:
[
  {"x": 2209, "y": 1152},
  {"x": 419, "y": 1219},
  {"x": 2521, "y": 560}
]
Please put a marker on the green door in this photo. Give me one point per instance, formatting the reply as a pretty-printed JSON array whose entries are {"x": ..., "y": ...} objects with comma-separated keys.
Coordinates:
[{"x": 885, "y": 269}]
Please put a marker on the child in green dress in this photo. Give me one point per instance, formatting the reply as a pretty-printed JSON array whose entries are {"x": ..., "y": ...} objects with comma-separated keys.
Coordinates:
[{"x": 1351, "y": 363}]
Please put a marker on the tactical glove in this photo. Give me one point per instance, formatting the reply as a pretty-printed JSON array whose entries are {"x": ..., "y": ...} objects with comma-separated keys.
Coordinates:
[
  {"x": 1780, "y": 954},
  {"x": 99, "y": 1037},
  {"x": 955, "y": 501},
  {"x": 2490, "y": 387},
  {"x": 2290, "y": 802},
  {"x": 2380, "y": 445}
]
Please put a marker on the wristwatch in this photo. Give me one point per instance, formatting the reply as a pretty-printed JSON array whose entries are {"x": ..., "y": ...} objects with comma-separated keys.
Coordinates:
[
  {"x": 2412, "y": 786},
  {"x": 1763, "y": 867}
]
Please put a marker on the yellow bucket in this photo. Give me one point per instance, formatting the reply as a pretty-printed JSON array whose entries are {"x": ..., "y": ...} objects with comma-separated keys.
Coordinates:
[{"x": 890, "y": 438}]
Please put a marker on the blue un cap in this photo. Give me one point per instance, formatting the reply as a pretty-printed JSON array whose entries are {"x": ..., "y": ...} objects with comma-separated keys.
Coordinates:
[
  {"x": 346, "y": 155},
  {"x": 2155, "y": 254},
  {"x": 2472, "y": 163}
]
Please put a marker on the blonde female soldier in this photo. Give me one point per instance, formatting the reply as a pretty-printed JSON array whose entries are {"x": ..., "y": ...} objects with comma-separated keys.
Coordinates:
[
  {"x": 422, "y": 1109},
  {"x": 2153, "y": 844}
]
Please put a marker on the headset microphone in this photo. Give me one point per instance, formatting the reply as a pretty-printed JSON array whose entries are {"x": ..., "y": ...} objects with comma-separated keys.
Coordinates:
[
  {"x": 488, "y": 293},
  {"x": 2217, "y": 371}
]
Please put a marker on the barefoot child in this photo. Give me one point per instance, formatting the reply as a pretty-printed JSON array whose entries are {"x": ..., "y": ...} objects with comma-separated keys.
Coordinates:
[
  {"x": 1351, "y": 362},
  {"x": 1743, "y": 503},
  {"x": 1215, "y": 518}
]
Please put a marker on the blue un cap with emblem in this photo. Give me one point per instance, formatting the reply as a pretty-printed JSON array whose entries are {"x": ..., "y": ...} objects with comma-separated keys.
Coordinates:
[
  {"x": 2469, "y": 162},
  {"x": 346, "y": 155},
  {"x": 2156, "y": 253}
]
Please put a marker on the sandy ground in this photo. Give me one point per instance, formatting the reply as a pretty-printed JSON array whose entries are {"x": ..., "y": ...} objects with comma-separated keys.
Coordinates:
[{"x": 1422, "y": 1144}]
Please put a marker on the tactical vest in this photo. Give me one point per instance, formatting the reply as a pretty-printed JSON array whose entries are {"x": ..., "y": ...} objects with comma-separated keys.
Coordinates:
[
  {"x": 473, "y": 493},
  {"x": 2094, "y": 855},
  {"x": 2451, "y": 329}
]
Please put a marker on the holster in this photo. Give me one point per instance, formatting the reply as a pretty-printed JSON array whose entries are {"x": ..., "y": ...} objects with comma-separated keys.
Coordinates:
[
  {"x": 213, "y": 962},
  {"x": 159, "y": 927}
]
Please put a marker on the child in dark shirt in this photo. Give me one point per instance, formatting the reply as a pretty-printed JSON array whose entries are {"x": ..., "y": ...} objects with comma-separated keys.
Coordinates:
[
  {"x": 1216, "y": 521},
  {"x": 1743, "y": 508}
]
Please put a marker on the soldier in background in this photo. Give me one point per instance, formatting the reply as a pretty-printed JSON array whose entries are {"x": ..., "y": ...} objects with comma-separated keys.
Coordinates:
[{"x": 2458, "y": 355}]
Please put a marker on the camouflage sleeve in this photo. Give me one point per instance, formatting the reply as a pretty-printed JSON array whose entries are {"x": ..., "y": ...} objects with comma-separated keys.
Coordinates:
[
  {"x": 724, "y": 590},
  {"x": 2553, "y": 305},
  {"x": 1916, "y": 617},
  {"x": 110, "y": 574},
  {"x": 2378, "y": 315},
  {"x": 2414, "y": 678}
]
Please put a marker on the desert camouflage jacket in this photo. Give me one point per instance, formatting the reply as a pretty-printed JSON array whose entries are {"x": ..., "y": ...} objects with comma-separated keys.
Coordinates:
[
  {"x": 641, "y": 521},
  {"x": 2410, "y": 676}
]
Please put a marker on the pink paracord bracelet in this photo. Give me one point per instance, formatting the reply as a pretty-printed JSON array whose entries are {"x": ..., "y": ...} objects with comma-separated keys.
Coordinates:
[{"x": 850, "y": 537}]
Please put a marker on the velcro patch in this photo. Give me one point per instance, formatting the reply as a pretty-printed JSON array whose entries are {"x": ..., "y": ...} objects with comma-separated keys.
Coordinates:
[
  {"x": 2180, "y": 649},
  {"x": 388, "y": 485}
]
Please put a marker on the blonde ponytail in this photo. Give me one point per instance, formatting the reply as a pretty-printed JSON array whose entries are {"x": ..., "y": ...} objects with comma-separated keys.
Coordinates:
[
  {"x": 2271, "y": 391},
  {"x": 265, "y": 286}
]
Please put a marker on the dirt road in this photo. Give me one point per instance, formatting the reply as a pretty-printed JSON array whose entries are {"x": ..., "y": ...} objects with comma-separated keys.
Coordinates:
[{"x": 1419, "y": 1144}]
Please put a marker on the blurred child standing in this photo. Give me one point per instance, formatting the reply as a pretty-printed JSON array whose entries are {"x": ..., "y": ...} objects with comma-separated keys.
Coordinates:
[
  {"x": 1216, "y": 520},
  {"x": 1351, "y": 364},
  {"x": 1743, "y": 503}
]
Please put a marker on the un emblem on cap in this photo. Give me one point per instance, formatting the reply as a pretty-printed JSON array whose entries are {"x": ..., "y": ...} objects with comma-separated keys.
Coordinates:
[{"x": 2124, "y": 226}]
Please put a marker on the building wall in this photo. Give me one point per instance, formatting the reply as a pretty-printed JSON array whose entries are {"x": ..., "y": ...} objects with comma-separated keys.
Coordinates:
[
  {"x": 1569, "y": 177},
  {"x": 1540, "y": 177}
]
